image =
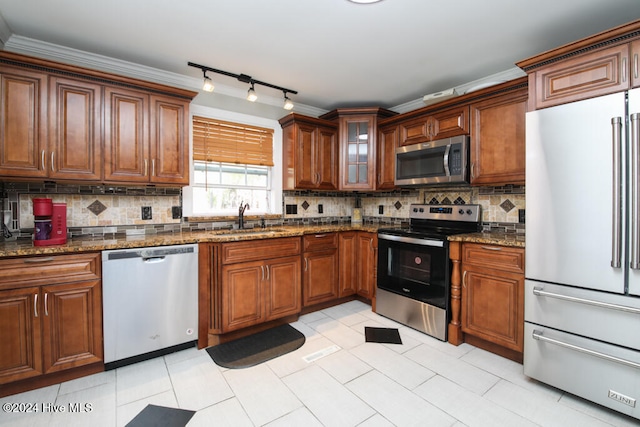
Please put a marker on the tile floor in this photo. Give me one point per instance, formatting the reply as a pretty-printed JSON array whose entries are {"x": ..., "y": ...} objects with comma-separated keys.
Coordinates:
[{"x": 423, "y": 382}]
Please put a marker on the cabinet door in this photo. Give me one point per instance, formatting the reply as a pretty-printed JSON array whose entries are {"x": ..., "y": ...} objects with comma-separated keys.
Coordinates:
[
  {"x": 306, "y": 175},
  {"x": 635, "y": 63},
  {"x": 386, "y": 158},
  {"x": 169, "y": 150},
  {"x": 242, "y": 295},
  {"x": 23, "y": 115},
  {"x": 348, "y": 273},
  {"x": 75, "y": 110},
  {"x": 320, "y": 277},
  {"x": 21, "y": 351},
  {"x": 448, "y": 123},
  {"x": 126, "y": 135},
  {"x": 284, "y": 287},
  {"x": 493, "y": 306},
  {"x": 357, "y": 153},
  {"x": 72, "y": 325},
  {"x": 327, "y": 159},
  {"x": 498, "y": 140},
  {"x": 367, "y": 244}
]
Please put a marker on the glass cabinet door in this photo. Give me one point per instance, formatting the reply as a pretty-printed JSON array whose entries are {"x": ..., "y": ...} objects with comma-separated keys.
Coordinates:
[{"x": 357, "y": 150}]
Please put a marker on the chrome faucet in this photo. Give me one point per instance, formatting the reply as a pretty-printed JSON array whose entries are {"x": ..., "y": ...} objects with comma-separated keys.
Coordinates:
[{"x": 241, "y": 210}]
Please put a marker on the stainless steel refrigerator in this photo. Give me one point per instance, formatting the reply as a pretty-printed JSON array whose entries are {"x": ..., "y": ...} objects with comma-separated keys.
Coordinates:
[{"x": 582, "y": 287}]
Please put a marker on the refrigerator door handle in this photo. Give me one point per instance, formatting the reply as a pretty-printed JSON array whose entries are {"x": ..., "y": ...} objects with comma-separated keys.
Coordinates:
[
  {"x": 616, "y": 210},
  {"x": 635, "y": 190}
]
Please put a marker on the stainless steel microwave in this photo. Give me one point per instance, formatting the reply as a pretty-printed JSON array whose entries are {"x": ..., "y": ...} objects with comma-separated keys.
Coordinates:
[{"x": 444, "y": 161}]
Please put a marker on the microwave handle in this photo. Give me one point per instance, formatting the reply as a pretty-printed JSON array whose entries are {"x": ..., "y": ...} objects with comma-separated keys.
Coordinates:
[{"x": 446, "y": 160}]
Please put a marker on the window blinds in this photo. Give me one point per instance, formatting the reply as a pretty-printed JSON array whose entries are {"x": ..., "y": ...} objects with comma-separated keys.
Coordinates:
[{"x": 227, "y": 142}]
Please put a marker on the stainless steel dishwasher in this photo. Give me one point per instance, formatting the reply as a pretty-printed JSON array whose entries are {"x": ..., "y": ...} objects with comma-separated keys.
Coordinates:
[{"x": 150, "y": 302}]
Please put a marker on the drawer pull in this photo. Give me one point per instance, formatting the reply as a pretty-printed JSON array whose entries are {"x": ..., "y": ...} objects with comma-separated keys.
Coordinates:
[
  {"x": 537, "y": 335},
  {"x": 320, "y": 236},
  {"x": 542, "y": 293},
  {"x": 492, "y": 248},
  {"x": 38, "y": 260}
]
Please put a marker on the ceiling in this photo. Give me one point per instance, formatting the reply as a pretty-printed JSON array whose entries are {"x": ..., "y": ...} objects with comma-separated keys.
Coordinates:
[{"x": 333, "y": 52}]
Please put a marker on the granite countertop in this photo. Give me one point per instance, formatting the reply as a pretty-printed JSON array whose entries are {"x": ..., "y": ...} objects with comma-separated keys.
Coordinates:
[
  {"x": 25, "y": 247},
  {"x": 491, "y": 238}
]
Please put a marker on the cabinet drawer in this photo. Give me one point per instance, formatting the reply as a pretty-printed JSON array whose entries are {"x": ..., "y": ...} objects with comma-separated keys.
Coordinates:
[
  {"x": 493, "y": 256},
  {"x": 320, "y": 242},
  {"x": 49, "y": 270},
  {"x": 255, "y": 250}
]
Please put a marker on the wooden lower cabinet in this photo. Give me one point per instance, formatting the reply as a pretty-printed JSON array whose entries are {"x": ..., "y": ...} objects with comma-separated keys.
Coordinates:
[
  {"x": 53, "y": 326},
  {"x": 260, "y": 280},
  {"x": 358, "y": 263},
  {"x": 487, "y": 291},
  {"x": 320, "y": 269},
  {"x": 258, "y": 291}
]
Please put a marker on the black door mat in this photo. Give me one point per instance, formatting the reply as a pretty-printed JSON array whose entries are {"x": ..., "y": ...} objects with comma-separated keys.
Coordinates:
[
  {"x": 382, "y": 335},
  {"x": 161, "y": 416},
  {"x": 257, "y": 348}
]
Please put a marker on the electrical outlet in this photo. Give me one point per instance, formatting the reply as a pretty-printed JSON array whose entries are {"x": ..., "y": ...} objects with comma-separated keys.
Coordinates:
[
  {"x": 320, "y": 209},
  {"x": 291, "y": 209},
  {"x": 521, "y": 216},
  {"x": 176, "y": 212},
  {"x": 146, "y": 212},
  {"x": 380, "y": 209}
]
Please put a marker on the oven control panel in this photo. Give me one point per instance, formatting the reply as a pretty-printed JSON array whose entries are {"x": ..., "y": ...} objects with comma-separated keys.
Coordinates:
[{"x": 467, "y": 213}]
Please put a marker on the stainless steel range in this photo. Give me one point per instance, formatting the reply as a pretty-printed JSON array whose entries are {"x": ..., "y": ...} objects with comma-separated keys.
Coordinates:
[{"x": 414, "y": 268}]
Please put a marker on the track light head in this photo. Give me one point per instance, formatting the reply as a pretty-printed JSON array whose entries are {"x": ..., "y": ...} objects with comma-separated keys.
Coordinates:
[
  {"x": 207, "y": 86},
  {"x": 288, "y": 104},
  {"x": 251, "y": 94}
]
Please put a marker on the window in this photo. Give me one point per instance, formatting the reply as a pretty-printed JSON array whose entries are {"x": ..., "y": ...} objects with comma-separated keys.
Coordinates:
[{"x": 232, "y": 163}]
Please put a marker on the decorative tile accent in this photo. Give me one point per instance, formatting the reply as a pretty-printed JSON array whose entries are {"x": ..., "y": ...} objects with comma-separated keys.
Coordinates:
[
  {"x": 97, "y": 208},
  {"x": 446, "y": 201},
  {"x": 507, "y": 205},
  {"x": 459, "y": 201},
  {"x": 398, "y": 205},
  {"x": 434, "y": 201},
  {"x": 305, "y": 205}
]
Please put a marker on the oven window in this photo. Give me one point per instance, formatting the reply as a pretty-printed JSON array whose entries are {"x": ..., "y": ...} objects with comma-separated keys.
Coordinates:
[
  {"x": 421, "y": 163},
  {"x": 409, "y": 265}
]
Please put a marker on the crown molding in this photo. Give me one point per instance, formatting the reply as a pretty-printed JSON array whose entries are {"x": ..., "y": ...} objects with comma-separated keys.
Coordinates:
[{"x": 67, "y": 55}]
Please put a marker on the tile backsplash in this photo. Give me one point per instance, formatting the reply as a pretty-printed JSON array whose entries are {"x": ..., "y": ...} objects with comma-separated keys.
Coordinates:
[{"x": 95, "y": 210}]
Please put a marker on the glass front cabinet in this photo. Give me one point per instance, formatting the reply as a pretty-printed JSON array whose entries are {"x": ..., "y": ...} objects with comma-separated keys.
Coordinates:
[{"x": 357, "y": 128}]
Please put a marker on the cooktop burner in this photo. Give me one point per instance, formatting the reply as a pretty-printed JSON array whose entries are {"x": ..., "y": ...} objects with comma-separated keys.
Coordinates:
[{"x": 438, "y": 221}]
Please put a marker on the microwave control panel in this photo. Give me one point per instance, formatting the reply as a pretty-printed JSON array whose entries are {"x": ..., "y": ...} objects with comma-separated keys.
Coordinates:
[{"x": 455, "y": 159}]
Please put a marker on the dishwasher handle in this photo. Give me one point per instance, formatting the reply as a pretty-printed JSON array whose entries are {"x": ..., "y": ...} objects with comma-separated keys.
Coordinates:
[{"x": 153, "y": 259}]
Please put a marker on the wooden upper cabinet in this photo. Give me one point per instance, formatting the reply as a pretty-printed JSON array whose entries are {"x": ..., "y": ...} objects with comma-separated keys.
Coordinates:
[
  {"x": 386, "y": 157},
  {"x": 169, "y": 149},
  {"x": 70, "y": 123},
  {"x": 635, "y": 63},
  {"x": 310, "y": 153},
  {"x": 75, "y": 142},
  {"x": 498, "y": 139},
  {"x": 357, "y": 133},
  {"x": 23, "y": 119},
  {"x": 604, "y": 63},
  {"x": 435, "y": 125},
  {"x": 126, "y": 135}
]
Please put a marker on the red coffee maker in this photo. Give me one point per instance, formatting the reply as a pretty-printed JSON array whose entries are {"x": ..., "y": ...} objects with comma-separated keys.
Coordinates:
[{"x": 50, "y": 222}]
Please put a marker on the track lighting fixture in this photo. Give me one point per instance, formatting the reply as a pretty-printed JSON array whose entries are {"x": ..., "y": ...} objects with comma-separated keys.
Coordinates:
[
  {"x": 288, "y": 105},
  {"x": 251, "y": 93}
]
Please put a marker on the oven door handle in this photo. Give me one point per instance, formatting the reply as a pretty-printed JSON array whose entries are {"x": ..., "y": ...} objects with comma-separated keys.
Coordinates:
[{"x": 412, "y": 240}]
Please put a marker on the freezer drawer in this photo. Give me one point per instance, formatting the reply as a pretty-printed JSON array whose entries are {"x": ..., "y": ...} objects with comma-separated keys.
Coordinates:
[
  {"x": 608, "y": 317},
  {"x": 599, "y": 372}
]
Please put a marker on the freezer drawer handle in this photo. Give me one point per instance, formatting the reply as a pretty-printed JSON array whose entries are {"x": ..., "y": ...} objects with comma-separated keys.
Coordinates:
[
  {"x": 537, "y": 335},
  {"x": 542, "y": 293}
]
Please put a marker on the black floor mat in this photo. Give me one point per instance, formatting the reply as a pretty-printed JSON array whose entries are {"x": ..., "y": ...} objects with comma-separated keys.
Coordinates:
[
  {"x": 161, "y": 416},
  {"x": 257, "y": 348},
  {"x": 382, "y": 335}
]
